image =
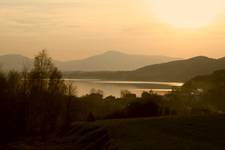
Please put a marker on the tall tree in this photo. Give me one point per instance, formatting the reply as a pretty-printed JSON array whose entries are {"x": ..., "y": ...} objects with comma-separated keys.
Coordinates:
[{"x": 41, "y": 72}]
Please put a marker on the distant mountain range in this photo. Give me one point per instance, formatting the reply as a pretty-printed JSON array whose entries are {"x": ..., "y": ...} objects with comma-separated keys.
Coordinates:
[
  {"x": 114, "y": 65},
  {"x": 113, "y": 61},
  {"x": 180, "y": 70},
  {"x": 108, "y": 61},
  {"x": 14, "y": 62}
]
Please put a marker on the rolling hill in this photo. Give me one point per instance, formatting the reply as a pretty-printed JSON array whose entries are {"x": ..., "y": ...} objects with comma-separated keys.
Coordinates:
[
  {"x": 180, "y": 70},
  {"x": 186, "y": 133}
]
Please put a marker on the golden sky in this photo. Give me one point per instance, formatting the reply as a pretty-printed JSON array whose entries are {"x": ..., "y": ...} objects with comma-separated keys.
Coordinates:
[{"x": 73, "y": 29}]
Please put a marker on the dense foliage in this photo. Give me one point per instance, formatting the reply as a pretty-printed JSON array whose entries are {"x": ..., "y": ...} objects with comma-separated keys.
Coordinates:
[
  {"x": 202, "y": 94},
  {"x": 34, "y": 102}
]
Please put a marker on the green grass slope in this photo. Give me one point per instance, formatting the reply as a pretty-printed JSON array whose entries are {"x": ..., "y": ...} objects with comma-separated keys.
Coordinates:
[
  {"x": 189, "y": 133},
  {"x": 165, "y": 133}
]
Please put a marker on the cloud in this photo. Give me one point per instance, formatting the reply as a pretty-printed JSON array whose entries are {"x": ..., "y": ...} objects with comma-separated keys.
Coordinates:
[{"x": 36, "y": 15}]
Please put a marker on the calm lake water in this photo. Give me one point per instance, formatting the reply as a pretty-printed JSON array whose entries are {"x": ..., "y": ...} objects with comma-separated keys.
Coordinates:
[{"x": 114, "y": 88}]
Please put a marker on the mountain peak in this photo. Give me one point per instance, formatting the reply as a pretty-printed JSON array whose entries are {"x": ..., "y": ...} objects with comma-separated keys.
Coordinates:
[
  {"x": 13, "y": 55},
  {"x": 200, "y": 58},
  {"x": 114, "y": 52}
]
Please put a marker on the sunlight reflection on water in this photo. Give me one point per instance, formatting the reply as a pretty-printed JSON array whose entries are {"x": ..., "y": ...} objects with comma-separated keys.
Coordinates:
[{"x": 114, "y": 88}]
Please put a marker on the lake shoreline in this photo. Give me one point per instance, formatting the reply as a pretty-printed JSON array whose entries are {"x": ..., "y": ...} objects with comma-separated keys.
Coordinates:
[{"x": 114, "y": 87}]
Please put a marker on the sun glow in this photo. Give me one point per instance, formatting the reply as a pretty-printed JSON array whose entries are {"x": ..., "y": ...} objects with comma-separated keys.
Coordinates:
[{"x": 188, "y": 13}]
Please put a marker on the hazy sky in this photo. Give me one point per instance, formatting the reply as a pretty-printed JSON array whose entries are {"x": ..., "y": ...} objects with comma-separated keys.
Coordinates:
[{"x": 73, "y": 29}]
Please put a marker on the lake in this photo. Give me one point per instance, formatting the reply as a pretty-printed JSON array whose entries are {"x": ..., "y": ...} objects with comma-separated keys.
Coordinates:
[{"x": 114, "y": 88}]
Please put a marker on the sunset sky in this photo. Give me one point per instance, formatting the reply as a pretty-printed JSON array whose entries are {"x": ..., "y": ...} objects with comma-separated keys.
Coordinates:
[{"x": 74, "y": 29}]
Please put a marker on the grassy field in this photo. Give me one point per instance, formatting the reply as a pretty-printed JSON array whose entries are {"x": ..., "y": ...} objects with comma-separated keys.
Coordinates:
[
  {"x": 178, "y": 133},
  {"x": 166, "y": 133}
]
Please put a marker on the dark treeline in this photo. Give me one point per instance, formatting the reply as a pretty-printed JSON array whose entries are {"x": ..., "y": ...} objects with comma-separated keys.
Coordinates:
[
  {"x": 39, "y": 102},
  {"x": 33, "y": 102},
  {"x": 202, "y": 94}
]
